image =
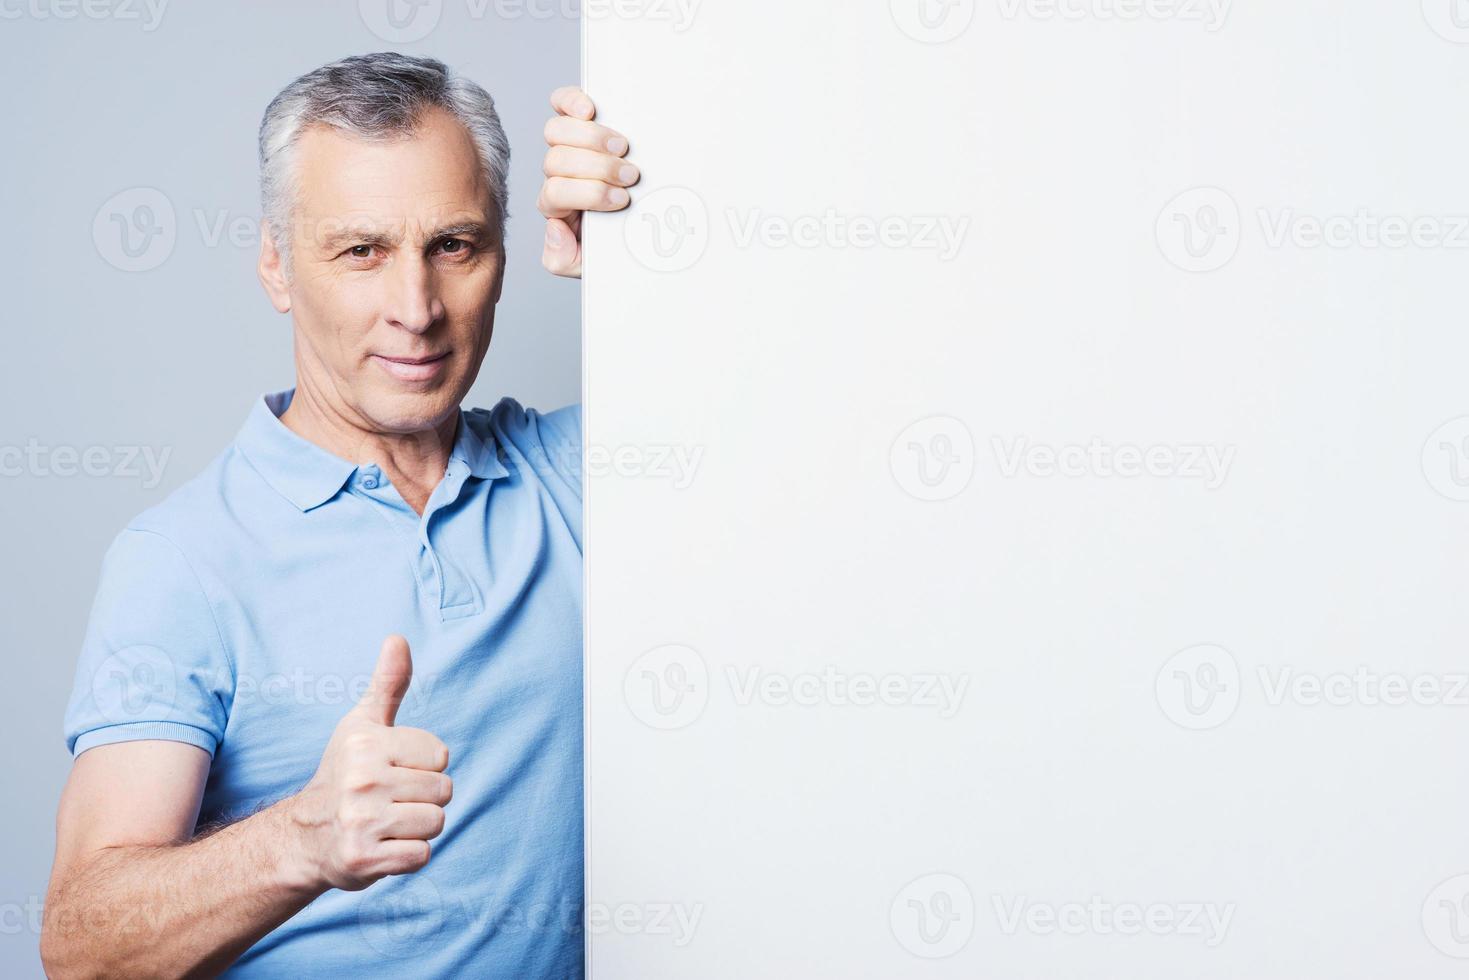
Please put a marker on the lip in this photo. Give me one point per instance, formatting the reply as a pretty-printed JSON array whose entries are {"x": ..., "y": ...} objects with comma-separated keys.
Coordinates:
[{"x": 413, "y": 368}]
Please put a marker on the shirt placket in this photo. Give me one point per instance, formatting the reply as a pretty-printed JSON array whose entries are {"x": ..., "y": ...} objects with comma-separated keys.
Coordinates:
[{"x": 440, "y": 579}]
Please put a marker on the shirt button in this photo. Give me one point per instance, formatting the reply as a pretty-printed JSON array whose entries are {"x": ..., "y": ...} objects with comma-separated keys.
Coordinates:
[{"x": 369, "y": 482}]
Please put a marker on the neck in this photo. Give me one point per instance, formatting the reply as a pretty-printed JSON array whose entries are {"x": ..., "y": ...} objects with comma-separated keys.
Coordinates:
[{"x": 414, "y": 461}]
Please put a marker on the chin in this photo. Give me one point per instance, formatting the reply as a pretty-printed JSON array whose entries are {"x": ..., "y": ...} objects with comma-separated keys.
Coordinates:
[{"x": 406, "y": 409}]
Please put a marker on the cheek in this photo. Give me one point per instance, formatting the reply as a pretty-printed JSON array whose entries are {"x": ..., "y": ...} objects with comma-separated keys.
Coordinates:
[
  {"x": 470, "y": 303},
  {"x": 338, "y": 320}
]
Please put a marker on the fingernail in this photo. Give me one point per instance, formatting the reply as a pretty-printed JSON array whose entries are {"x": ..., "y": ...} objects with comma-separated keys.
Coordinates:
[
  {"x": 627, "y": 174},
  {"x": 553, "y": 236},
  {"x": 617, "y": 146},
  {"x": 618, "y": 196}
]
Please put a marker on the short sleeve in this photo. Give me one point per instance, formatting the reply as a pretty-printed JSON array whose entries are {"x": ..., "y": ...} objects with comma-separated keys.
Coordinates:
[
  {"x": 548, "y": 442},
  {"x": 560, "y": 435},
  {"x": 152, "y": 664}
]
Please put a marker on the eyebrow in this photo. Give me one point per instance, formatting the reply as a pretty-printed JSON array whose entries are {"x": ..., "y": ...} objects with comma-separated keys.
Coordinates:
[{"x": 477, "y": 230}]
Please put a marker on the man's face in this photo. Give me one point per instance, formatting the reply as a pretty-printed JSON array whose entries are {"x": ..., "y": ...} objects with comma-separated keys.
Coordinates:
[{"x": 396, "y": 270}]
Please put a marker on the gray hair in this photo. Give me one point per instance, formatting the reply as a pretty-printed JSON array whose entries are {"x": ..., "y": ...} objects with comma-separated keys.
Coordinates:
[{"x": 375, "y": 97}]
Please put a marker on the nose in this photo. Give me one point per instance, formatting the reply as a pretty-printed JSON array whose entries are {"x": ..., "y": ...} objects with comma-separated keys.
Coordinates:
[{"x": 412, "y": 300}]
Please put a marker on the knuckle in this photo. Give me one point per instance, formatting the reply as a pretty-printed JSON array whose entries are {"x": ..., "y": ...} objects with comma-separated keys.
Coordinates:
[
  {"x": 360, "y": 780},
  {"x": 357, "y": 783},
  {"x": 359, "y": 742},
  {"x": 356, "y": 859},
  {"x": 355, "y": 816},
  {"x": 418, "y": 856}
]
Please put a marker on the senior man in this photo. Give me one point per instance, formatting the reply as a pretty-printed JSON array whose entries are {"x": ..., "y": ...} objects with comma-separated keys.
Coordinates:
[{"x": 258, "y": 771}]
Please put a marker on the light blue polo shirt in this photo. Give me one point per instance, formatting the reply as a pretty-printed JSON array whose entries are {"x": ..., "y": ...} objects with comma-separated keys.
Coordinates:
[{"x": 244, "y": 615}]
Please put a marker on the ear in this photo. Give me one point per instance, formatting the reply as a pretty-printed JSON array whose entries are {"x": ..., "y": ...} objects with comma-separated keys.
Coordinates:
[{"x": 272, "y": 272}]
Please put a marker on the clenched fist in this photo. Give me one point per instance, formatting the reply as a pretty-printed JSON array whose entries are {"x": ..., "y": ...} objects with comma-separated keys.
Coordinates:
[
  {"x": 378, "y": 796},
  {"x": 585, "y": 171}
]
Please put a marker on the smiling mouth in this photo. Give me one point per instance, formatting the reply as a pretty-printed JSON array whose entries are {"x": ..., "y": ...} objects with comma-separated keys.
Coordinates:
[{"x": 413, "y": 368}]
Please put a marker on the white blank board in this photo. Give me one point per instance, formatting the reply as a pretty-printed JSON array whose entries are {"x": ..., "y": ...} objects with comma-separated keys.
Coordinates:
[{"x": 1028, "y": 503}]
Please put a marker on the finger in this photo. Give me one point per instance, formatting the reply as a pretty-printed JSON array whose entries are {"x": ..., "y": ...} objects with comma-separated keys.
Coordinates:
[
  {"x": 419, "y": 786},
  {"x": 402, "y": 857},
  {"x": 414, "y": 821},
  {"x": 573, "y": 161},
  {"x": 414, "y": 748},
  {"x": 569, "y": 100},
  {"x": 562, "y": 196},
  {"x": 390, "y": 679},
  {"x": 565, "y": 131},
  {"x": 562, "y": 254}
]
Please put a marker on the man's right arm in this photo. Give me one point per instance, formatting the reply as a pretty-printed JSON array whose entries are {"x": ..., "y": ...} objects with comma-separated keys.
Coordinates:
[{"x": 134, "y": 893}]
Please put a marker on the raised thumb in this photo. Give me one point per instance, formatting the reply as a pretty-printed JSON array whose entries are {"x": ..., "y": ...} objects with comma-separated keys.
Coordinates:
[{"x": 389, "y": 682}]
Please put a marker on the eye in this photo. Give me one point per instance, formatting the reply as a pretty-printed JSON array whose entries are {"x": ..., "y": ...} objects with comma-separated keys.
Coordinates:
[
  {"x": 360, "y": 251},
  {"x": 455, "y": 246}
]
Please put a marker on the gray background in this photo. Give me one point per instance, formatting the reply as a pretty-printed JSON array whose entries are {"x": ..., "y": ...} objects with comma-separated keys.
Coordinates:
[{"x": 171, "y": 357}]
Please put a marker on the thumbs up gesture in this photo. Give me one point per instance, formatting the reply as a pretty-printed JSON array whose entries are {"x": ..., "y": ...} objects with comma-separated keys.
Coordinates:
[{"x": 378, "y": 795}]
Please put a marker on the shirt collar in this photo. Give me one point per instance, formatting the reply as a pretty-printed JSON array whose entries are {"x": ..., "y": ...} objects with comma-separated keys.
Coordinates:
[
  {"x": 477, "y": 452},
  {"x": 308, "y": 476}
]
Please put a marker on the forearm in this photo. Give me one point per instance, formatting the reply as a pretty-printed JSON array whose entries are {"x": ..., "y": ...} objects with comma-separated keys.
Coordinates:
[{"x": 178, "y": 910}]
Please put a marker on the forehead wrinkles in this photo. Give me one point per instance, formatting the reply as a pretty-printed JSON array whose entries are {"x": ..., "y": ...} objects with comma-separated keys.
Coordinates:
[
  {"x": 437, "y": 158},
  {"x": 391, "y": 191}
]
